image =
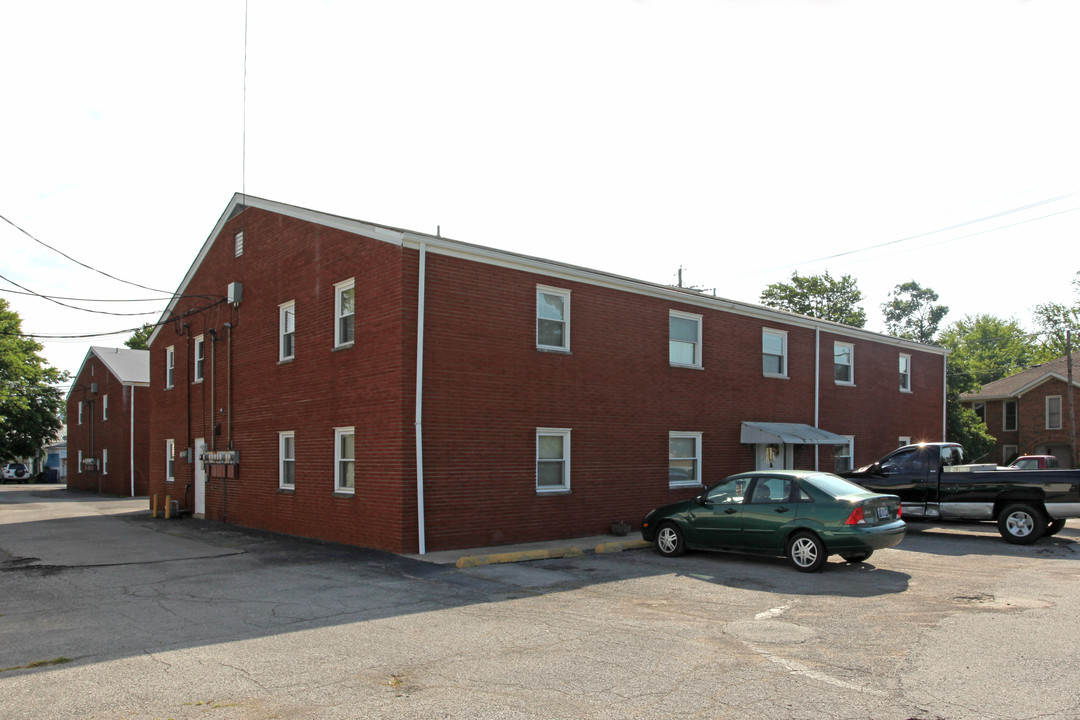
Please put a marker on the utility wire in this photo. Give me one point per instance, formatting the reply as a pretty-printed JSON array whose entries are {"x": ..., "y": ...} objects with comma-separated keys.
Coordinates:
[{"x": 73, "y": 307}]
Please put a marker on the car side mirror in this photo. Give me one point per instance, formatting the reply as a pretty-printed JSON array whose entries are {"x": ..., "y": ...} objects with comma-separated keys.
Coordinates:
[{"x": 700, "y": 499}]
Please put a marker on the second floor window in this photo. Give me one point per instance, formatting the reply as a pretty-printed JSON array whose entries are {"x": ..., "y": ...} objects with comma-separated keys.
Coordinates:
[
  {"x": 684, "y": 339},
  {"x": 905, "y": 373},
  {"x": 200, "y": 354},
  {"x": 1053, "y": 412},
  {"x": 774, "y": 352},
  {"x": 844, "y": 363},
  {"x": 1008, "y": 413},
  {"x": 104, "y": 407},
  {"x": 170, "y": 366},
  {"x": 287, "y": 331},
  {"x": 344, "y": 312},
  {"x": 552, "y": 319}
]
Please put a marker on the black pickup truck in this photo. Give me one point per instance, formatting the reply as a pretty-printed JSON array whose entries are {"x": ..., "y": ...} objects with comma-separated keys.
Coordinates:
[{"x": 933, "y": 481}]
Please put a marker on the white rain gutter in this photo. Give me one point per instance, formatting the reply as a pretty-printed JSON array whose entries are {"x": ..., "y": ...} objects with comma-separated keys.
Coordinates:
[
  {"x": 420, "y": 399},
  {"x": 817, "y": 389}
]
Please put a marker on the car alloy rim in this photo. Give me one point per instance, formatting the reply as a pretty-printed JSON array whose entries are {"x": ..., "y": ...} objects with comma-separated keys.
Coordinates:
[
  {"x": 667, "y": 540},
  {"x": 1020, "y": 524},
  {"x": 804, "y": 552}
]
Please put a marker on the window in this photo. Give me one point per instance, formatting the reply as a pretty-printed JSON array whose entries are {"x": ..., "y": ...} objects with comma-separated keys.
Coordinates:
[
  {"x": 80, "y": 411},
  {"x": 1009, "y": 453},
  {"x": 78, "y": 468},
  {"x": 904, "y": 440},
  {"x": 552, "y": 459},
  {"x": 771, "y": 490},
  {"x": 980, "y": 411},
  {"x": 287, "y": 459},
  {"x": 238, "y": 238},
  {"x": 844, "y": 363},
  {"x": 200, "y": 353},
  {"x": 905, "y": 373},
  {"x": 287, "y": 330},
  {"x": 774, "y": 352},
  {"x": 684, "y": 459},
  {"x": 1008, "y": 414},
  {"x": 170, "y": 460},
  {"x": 344, "y": 311},
  {"x": 104, "y": 408},
  {"x": 170, "y": 366},
  {"x": 344, "y": 460},
  {"x": 552, "y": 318},
  {"x": 104, "y": 461},
  {"x": 1053, "y": 412},
  {"x": 842, "y": 455},
  {"x": 684, "y": 339},
  {"x": 729, "y": 492}
]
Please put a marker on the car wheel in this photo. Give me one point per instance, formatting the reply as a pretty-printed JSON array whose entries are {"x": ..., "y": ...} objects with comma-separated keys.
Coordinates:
[
  {"x": 1021, "y": 524},
  {"x": 669, "y": 540},
  {"x": 858, "y": 557},
  {"x": 806, "y": 552},
  {"x": 1055, "y": 526}
]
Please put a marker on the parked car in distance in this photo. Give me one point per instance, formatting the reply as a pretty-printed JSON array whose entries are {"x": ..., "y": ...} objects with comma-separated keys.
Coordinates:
[
  {"x": 17, "y": 472},
  {"x": 800, "y": 514},
  {"x": 1035, "y": 462}
]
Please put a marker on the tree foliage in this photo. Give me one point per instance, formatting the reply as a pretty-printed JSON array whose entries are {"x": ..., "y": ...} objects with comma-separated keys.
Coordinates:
[
  {"x": 818, "y": 296},
  {"x": 139, "y": 338},
  {"x": 911, "y": 312},
  {"x": 984, "y": 348},
  {"x": 1053, "y": 319},
  {"x": 30, "y": 402}
]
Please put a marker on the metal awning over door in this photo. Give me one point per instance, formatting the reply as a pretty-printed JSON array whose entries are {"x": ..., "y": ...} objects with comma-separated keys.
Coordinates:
[{"x": 754, "y": 433}]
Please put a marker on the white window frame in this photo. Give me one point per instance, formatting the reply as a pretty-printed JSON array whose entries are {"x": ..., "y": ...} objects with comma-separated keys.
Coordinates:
[
  {"x": 904, "y": 440},
  {"x": 1005, "y": 415},
  {"x": 1007, "y": 451},
  {"x": 104, "y": 461},
  {"x": 696, "y": 319},
  {"x": 850, "y": 365},
  {"x": 1049, "y": 398},
  {"x": 170, "y": 366},
  {"x": 905, "y": 372},
  {"x": 339, "y": 291},
  {"x": 286, "y": 457},
  {"x": 198, "y": 369},
  {"x": 339, "y": 459},
  {"x": 78, "y": 468},
  {"x": 80, "y": 410},
  {"x": 849, "y": 456},
  {"x": 170, "y": 460},
  {"x": 564, "y": 435},
  {"x": 782, "y": 334},
  {"x": 696, "y": 480},
  {"x": 564, "y": 295},
  {"x": 238, "y": 243},
  {"x": 285, "y": 311},
  {"x": 104, "y": 408}
]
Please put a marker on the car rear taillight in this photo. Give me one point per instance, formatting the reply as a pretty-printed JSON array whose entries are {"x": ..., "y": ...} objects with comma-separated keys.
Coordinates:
[
  {"x": 899, "y": 509},
  {"x": 856, "y": 517}
]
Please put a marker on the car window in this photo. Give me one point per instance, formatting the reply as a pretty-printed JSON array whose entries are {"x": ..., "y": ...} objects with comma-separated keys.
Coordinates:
[
  {"x": 908, "y": 461},
  {"x": 832, "y": 485},
  {"x": 771, "y": 490},
  {"x": 729, "y": 491}
]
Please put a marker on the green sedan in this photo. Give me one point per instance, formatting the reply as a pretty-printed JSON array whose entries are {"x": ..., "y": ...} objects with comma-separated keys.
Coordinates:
[{"x": 803, "y": 515}]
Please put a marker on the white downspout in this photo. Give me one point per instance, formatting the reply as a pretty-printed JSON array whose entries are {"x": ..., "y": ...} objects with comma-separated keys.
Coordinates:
[
  {"x": 420, "y": 400},
  {"x": 944, "y": 397},
  {"x": 131, "y": 442},
  {"x": 817, "y": 391}
]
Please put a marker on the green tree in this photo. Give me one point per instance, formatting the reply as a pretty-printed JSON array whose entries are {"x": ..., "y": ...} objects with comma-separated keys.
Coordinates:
[
  {"x": 984, "y": 348},
  {"x": 911, "y": 312},
  {"x": 138, "y": 339},
  {"x": 819, "y": 296},
  {"x": 30, "y": 401},
  {"x": 1053, "y": 319},
  {"x": 962, "y": 425}
]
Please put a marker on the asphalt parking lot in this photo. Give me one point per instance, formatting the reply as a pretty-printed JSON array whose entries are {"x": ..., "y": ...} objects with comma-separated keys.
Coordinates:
[{"x": 107, "y": 613}]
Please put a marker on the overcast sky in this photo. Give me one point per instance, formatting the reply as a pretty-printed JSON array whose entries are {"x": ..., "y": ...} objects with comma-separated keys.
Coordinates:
[{"x": 742, "y": 140}]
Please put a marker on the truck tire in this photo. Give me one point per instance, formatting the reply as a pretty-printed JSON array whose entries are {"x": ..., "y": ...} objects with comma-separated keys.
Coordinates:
[
  {"x": 1021, "y": 524},
  {"x": 1055, "y": 526}
]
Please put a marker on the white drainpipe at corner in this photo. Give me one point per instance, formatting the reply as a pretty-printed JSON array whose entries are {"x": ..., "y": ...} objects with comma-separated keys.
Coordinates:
[
  {"x": 420, "y": 400},
  {"x": 131, "y": 441},
  {"x": 817, "y": 391}
]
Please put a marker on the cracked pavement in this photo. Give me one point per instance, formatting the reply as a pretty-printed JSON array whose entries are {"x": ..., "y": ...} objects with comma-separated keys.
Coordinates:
[{"x": 190, "y": 619}]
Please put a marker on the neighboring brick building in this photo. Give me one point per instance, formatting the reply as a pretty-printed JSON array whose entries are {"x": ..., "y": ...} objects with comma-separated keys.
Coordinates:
[
  {"x": 1028, "y": 412},
  {"x": 553, "y": 399},
  {"x": 108, "y": 414}
]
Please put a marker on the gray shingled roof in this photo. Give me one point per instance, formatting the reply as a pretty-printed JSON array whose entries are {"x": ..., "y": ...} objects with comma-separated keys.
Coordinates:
[{"x": 1015, "y": 385}]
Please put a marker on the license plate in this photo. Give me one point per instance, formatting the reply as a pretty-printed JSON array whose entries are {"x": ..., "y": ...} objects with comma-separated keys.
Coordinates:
[{"x": 883, "y": 513}]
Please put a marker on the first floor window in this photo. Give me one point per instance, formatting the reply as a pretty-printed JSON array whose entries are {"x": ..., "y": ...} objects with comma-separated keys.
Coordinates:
[
  {"x": 842, "y": 455},
  {"x": 344, "y": 312},
  {"x": 684, "y": 458},
  {"x": 1008, "y": 414},
  {"x": 774, "y": 352},
  {"x": 684, "y": 339},
  {"x": 904, "y": 440},
  {"x": 104, "y": 461},
  {"x": 905, "y": 373},
  {"x": 287, "y": 459},
  {"x": 1008, "y": 453},
  {"x": 344, "y": 460},
  {"x": 287, "y": 331},
  {"x": 844, "y": 363},
  {"x": 78, "y": 469},
  {"x": 552, "y": 459},
  {"x": 170, "y": 460},
  {"x": 1053, "y": 412}
]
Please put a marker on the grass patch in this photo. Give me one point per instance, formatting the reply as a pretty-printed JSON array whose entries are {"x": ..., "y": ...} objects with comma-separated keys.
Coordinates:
[{"x": 38, "y": 663}]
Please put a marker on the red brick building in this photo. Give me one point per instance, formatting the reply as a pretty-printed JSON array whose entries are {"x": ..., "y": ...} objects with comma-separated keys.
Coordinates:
[
  {"x": 1028, "y": 413},
  {"x": 327, "y": 377},
  {"x": 108, "y": 415}
]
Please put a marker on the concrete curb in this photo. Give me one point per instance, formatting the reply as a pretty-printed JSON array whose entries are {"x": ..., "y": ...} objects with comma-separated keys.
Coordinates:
[{"x": 469, "y": 561}]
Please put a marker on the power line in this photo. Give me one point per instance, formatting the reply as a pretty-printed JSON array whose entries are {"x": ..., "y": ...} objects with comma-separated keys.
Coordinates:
[{"x": 73, "y": 307}]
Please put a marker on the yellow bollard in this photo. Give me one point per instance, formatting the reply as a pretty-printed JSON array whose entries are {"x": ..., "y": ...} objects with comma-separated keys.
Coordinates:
[
  {"x": 153, "y": 506},
  {"x": 168, "y": 506}
]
